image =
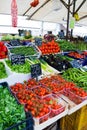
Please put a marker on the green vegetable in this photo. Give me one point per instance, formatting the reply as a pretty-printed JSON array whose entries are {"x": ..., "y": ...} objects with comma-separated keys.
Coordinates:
[
  {"x": 10, "y": 112},
  {"x": 7, "y": 37},
  {"x": 25, "y": 68},
  {"x": 64, "y": 57},
  {"x": 3, "y": 73},
  {"x": 81, "y": 46},
  {"x": 23, "y": 50},
  {"x": 77, "y": 76},
  {"x": 66, "y": 45}
]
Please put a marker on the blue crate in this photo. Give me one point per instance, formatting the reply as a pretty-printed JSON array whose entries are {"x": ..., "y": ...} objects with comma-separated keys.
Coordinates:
[
  {"x": 84, "y": 61},
  {"x": 77, "y": 63}
]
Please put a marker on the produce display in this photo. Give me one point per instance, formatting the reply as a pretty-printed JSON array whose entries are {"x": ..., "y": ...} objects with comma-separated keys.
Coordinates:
[
  {"x": 75, "y": 55},
  {"x": 21, "y": 93},
  {"x": 25, "y": 68},
  {"x": 39, "y": 110},
  {"x": 17, "y": 88},
  {"x": 64, "y": 57},
  {"x": 42, "y": 98},
  {"x": 3, "y": 73},
  {"x": 41, "y": 92},
  {"x": 31, "y": 83},
  {"x": 25, "y": 50},
  {"x": 25, "y": 96},
  {"x": 10, "y": 112},
  {"x": 30, "y": 101},
  {"x": 52, "y": 78},
  {"x": 84, "y": 53},
  {"x": 81, "y": 46},
  {"x": 9, "y": 37},
  {"x": 56, "y": 84},
  {"x": 49, "y": 48},
  {"x": 77, "y": 95},
  {"x": 57, "y": 62},
  {"x": 3, "y": 51},
  {"x": 55, "y": 106},
  {"x": 77, "y": 76},
  {"x": 31, "y": 95},
  {"x": 66, "y": 45},
  {"x": 47, "y": 69}
]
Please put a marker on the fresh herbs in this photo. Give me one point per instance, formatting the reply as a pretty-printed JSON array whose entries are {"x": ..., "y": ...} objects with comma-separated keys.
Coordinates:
[
  {"x": 3, "y": 73},
  {"x": 10, "y": 112},
  {"x": 25, "y": 68},
  {"x": 23, "y": 50}
]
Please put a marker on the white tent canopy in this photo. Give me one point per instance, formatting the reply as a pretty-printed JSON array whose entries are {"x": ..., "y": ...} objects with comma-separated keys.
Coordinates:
[
  {"x": 32, "y": 18},
  {"x": 52, "y": 11}
]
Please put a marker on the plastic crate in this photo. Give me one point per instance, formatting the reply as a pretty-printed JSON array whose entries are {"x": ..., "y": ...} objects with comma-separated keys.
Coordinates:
[
  {"x": 27, "y": 124},
  {"x": 37, "y": 54},
  {"x": 4, "y": 84},
  {"x": 48, "y": 92},
  {"x": 24, "y": 100},
  {"x": 75, "y": 98},
  {"x": 19, "y": 88},
  {"x": 54, "y": 99},
  {"x": 42, "y": 119},
  {"x": 66, "y": 92},
  {"x": 56, "y": 112}
]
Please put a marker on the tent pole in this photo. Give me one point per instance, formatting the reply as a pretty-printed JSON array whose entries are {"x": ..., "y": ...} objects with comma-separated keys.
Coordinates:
[{"x": 68, "y": 20}]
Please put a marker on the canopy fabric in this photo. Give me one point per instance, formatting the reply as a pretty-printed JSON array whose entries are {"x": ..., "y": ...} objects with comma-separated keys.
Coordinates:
[{"x": 52, "y": 11}]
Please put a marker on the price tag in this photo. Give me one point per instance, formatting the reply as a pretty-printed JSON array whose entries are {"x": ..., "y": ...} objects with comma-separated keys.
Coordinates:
[
  {"x": 17, "y": 59},
  {"x": 38, "y": 41},
  {"x": 36, "y": 70},
  {"x": 15, "y": 42}
]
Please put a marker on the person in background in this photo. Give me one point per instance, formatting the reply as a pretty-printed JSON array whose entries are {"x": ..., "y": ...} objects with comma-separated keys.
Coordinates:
[{"x": 61, "y": 34}]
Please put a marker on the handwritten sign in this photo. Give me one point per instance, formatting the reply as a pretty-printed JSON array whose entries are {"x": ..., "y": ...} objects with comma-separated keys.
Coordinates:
[
  {"x": 17, "y": 59},
  {"x": 36, "y": 70}
]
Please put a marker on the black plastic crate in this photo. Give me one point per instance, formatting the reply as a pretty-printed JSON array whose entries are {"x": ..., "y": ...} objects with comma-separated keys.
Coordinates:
[
  {"x": 26, "y": 124},
  {"x": 4, "y": 84}
]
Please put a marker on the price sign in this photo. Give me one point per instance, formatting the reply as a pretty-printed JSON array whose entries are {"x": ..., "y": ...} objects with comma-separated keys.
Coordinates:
[
  {"x": 15, "y": 42},
  {"x": 17, "y": 59},
  {"x": 36, "y": 70},
  {"x": 72, "y": 23},
  {"x": 38, "y": 41}
]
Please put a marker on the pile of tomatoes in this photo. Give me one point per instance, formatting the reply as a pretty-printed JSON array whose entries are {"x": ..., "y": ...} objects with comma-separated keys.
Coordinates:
[
  {"x": 17, "y": 88},
  {"x": 76, "y": 55},
  {"x": 25, "y": 96},
  {"x": 52, "y": 78},
  {"x": 31, "y": 83},
  {"x": 41, "y": 91},
  {"x": 49, "y": 48},
  {"x": 37, "y": 108},
  {"x": 3, "y": 51},
  {"x": 37, "y": 97}
]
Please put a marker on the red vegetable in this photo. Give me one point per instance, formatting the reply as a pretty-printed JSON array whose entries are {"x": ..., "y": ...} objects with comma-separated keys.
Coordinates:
[{"x": 3, "y": 50}]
